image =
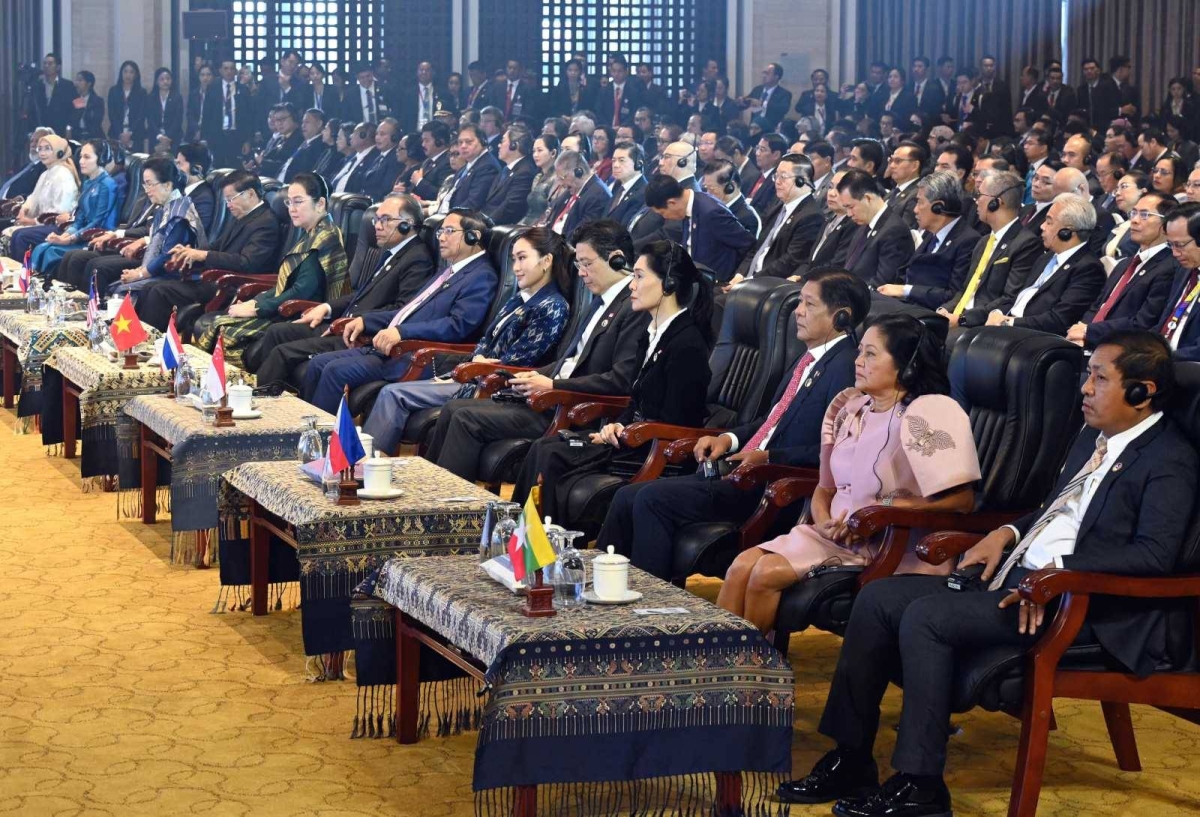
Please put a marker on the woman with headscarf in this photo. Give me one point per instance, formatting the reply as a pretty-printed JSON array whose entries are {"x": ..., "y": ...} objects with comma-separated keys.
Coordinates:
[
  {"x": 315, "y": 269},
  {"x": 57, "y": 191},
  {"x": 99, "y": 205}
]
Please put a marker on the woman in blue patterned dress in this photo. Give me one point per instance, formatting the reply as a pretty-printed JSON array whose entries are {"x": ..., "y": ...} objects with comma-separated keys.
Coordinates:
[
  {"x": 99, "y": 204},
  {"x": 524, "y": 333}
]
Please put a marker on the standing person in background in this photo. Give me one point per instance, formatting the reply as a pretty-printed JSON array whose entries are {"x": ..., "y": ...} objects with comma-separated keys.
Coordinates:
[{"x": 127, "y": 108}]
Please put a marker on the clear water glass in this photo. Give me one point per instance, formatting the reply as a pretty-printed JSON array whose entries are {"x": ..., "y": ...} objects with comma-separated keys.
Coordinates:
[
  {"x": 502, "y": 530},
  {"x": 330, "y": 480},
  {"x": 185, "y": 381},
  {"x": 310, "y": 448},
  {"x": 571, "y": 574}
]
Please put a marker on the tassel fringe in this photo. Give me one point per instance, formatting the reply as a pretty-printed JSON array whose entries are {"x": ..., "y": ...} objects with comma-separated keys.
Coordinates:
[
  {"x": 327, "y": 667},
  {"x": 129, "y": 503},
  {"x": 235, "y": 598}
]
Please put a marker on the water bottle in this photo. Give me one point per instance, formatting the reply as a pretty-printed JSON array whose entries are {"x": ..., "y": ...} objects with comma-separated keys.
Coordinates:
[
  {"x": 568, "y": 592},
  {"x": 310, "y": 448},
  {"x": 330, "y": 481},
  {"x": 33, "y": 297},
  {"x": 184, "y": 381}
]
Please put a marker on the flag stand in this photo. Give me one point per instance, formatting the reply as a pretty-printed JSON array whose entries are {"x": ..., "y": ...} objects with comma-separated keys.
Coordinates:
[
  {"x": 224, "y": 414},
  {"x": 539, "y": 599},
  {"x": 131, "y": 361},
  {"x": 348, "y": 485}
]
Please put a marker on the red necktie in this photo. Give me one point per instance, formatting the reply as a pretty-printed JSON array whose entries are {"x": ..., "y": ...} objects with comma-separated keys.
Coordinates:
[
  {"x": 617, "y": 94},
  {"x": 780, "y": 408},
  {"x": 508, "y": 102},
  {"x": 1115, "y": 295},
  {"x": 757, "y": 184}
]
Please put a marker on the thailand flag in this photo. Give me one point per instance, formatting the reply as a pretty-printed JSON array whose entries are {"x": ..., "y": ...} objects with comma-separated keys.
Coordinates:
[
  {"x": 172, "y": 351},
  {"x": 345, "y": 448},
  {"x": 93, "y": 306},
  {"x": 26, "y": 275}
]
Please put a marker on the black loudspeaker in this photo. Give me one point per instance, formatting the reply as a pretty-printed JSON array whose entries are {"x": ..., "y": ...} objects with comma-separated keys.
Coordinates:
[{"x": 207, "y": 25}]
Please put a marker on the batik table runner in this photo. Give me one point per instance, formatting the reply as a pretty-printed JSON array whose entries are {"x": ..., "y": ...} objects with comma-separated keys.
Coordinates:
[
  {"x": 35, "y": 339},
  {"x": 105, "y": 387},
  {"x": 200, "y": 454},
  {"x": 618, "y": 710},
  {"x": 337, "y": 547},
  {"x": 17, "y": 300}
]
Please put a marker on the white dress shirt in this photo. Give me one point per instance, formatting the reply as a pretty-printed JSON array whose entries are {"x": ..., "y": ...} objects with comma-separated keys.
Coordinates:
[
  {"x": 656, "y": 332},
  {"x": 339, "y": 181},
  {"x": 1026, "y": 295},
  {"x": 608, "y": 296}
]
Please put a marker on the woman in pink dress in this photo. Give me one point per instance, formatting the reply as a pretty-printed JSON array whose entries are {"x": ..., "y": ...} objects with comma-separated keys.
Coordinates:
[{"x": 897, "y": 439}]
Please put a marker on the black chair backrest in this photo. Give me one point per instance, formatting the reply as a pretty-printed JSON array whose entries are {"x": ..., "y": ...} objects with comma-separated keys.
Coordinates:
[
  {"x": 288, "y": 235},
  {"x": 221, "y": 214},
  {"x": 499, "y": 249},
  {"x": 367, "y": 252},
  {"x": 1021, "y": 390},
  {"x": 1184, "y": 409},
  {"x": 429, "y": 230},
  {"x": 134, "y": 197},
  {"x": 752, "y": 349},
  {"x": 883, "y": 305},
  {"x": 347, "y": 210}
]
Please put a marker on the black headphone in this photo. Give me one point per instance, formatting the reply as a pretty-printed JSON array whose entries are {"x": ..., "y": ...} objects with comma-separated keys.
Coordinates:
[
  {"x": 618, "y": 262},
  {"x": 639, "y": 159},
  {"x": 512, "y": 146},
  {"x": 579, "y": 172},
  {"x": 843, "y": 321},
  {"x": 1065, "y": 233},
  {"x": 1137, "y": 393},
  {"x": 994, "y": 203},
  {"x": 105, "y": 154},
  {"x": 670, "y": 282},
  {"x": 730, "y": 186},
  {"x": 909, "y": 372},
  {"x": 682, "y": 161},
  {"x": 951, "y": 208},
  {"x": 471, "y": 237},
  {"x": 404, "y": 227}
]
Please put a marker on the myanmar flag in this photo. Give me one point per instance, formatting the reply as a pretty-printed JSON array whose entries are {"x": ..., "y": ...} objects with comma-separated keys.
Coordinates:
[{"x": 529, "y": 548}]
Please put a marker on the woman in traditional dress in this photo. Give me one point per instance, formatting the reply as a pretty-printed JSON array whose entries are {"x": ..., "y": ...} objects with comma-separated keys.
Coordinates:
[
  {"x": 56, "y": 191},
  {"x": 98, "y": 208}
]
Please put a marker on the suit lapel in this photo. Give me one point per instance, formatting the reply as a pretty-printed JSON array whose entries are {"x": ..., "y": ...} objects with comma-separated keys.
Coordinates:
[
  {"x": 606, "y": 320},
  {"x": 1119, "y": 468}
]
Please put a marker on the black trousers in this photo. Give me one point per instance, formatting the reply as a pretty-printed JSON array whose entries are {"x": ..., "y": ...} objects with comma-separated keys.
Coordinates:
[
  {"x": 644, "y": 517},
  {"x": 466, "y": 426},
  {"x": 285, "y": 348},
  {"x": 107, "y": 269},
  {"x": 915, "y": 628},
  {"x": 73, "y": 268},
  {"x": 160, "y": 297}
]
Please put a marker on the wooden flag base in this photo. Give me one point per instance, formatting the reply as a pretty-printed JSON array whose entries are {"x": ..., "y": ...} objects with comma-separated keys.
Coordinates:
[
  {"x": 539, "y": 600},
  {"x": 348, "y": 490},
  {"x": 224, "y": 418},
  {"x": 131, "y": 361}
]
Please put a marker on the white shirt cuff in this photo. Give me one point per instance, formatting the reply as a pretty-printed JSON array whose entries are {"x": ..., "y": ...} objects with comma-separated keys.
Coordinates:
[
  {"x": 907, "y": 290},
  {"x": 1058, "y": 562},
  {"x": 119, "y": 233},
  {"x": 1016, "y": 535},
  {"x": 733, "y": 437}
]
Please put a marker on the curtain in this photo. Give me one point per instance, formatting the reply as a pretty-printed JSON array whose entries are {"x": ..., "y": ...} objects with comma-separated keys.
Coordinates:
[
  {"x": 1016, "y": 32},
  {"x": 1158, "y": 36},
  {"x": 20, "y": 42}
]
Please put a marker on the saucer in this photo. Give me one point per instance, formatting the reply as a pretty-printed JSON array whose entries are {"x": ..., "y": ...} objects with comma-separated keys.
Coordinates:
[
  {"x": 630, "y": 596},
  {"x": 252, "y": 414},
  {"x": 390, "y": 493}
]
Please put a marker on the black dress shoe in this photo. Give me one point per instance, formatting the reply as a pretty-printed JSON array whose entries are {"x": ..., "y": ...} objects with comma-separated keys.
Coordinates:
[
  {"x": 833, "y": 777},
  {"x": 901, "y": 795}
]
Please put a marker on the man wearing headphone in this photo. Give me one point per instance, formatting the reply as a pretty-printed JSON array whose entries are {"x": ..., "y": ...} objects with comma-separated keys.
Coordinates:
[
  {"x": 1064, "y": 281},
  {"x": 721, "y": 181},
  {"x": 678, "y": 161},
  {"x": 508, "y": 200},
  {"x": 629, "y": 185},
  {"x": 714, "y": 239},
  {"x": 794, "y": 224},
  {"x": 584, "y": 198},
  {"x": 939, "y": 267},
  {"x": 384, "y": 276}
]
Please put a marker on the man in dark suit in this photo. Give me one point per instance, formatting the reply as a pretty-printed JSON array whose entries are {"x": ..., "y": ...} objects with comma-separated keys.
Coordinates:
[
  {"x": 833, "y": 244},
  {"x": 1065, "y": 281},
  {"x": 286, "y": 87},
  {"x": 712, "y": 236},
  {"x": 629, "y": 185},
  {"x": 514, "y": 96},
  {"x": 384, "y": 277},
  {"x": 311, "y": 150},
  {"x": 767, "y": 153},
  {"x": 721, "y": 182},
  {"x": 769, "y": 102},
  {"x": 1030, "y": 95},
  {"x": 792, "y": 226},
  {"x": 1137, "y": 289},
  {"x": 617, "y": 102},
  {"x": 884, "y": 245},
  {"x": 1122, "y": 505},
  {"x": 426, "y": 180},
  {"x": 381, "y": 176},
  {"x": 600, "y": 358},
  {"x": 1179, "y": 322},
  {"x": 877, "y": 89},
  {"x": 788, "y": 434},
  {"x": 1098, "y": 95},
  {"x": 351, "y": 178},
  {"x": 1002, "y": 259},
  {"x": 904, "y": 169},
  {"x": 939, "y": 267},
  {"x": 248, "y": 243},
  {"x": 1060, "y": 98},
  {"x": 287, "y": 128},
  {"x": 451, "y": 308},
  {"x": 474, "y": 182},
  {"x": 508, "y": 200},
  {"x": 368, "y": 100},
  {"x": 926, "y": 90},
  {"x": 49, "y": 99},
  {"x": 236, "y": 117},
  {"x": 1042, "y": 190},
  {"x": 584, "y": 197},
  {"x": 652, "y": 94},
  {"x": 997, "y": 100}
]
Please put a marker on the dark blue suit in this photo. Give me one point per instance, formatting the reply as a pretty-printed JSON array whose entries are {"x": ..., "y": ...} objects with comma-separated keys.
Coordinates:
[
  {"x": 664, "y": 506},
  {"x": 1188, "y": 347},
  {"x": 593, "y": 204},
  {"x": 936, "y": 276},
  {"x": 473, "y": 188},
  {"x": 454, "y": 313},
  {"x": 718, "y": 240},
  {"x": 633, "y": 201},
  {"x": 1140, "y": 303},
  {"x": 23, "y": 181}
]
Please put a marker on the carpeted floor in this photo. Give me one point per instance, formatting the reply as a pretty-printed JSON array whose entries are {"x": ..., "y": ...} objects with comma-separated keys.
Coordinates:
[{"x": 122, "y": 696}]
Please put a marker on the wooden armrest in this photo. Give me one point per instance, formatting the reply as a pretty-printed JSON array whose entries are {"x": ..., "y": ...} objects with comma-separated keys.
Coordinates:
[
  {"x": 466, "y": 372},
  {"x": 338, "y": 326},
  {"x": 680, "y": 451},
  {"x": 490, "y": 384},
  {"x": 213, "y": 276},
  {"x": 938, "y": 547},
  {"x": 234, "y": 280},
  {"x": 424, "y": 351},
  {"x": 295, "y": 308},
  {"x": 119, "y": 244},
  {"x": 247, "y": 291},
  {"x": 48, "y": 218},
  {"x": 784, "y": 492},
  {"x": 787, "y": 485},
  {"x": 90, "y": 233},
  {"x": 547, "y": 399},
  {"x": 752, "y": 477},
  {"x": 1041, "y": 586},
  {"x": 874, "y": 518},
  {"x": 584, "y": 413},
  {"x": 640, "y": 433}
]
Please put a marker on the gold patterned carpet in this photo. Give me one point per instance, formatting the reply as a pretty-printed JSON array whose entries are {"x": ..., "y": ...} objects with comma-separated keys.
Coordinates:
[{"x": 121, "y": 695}]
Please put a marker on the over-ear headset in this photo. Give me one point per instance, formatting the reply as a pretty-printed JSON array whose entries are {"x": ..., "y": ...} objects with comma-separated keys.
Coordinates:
[
  {"x": 618, "y": 262},
  {"x": 950, "y": 208},
  {"x": 994, "y": 203},
  {"x": 842, "y": 320},
  {"x": 909, "y": 372},
  {"x": 1065, "y": 233},
  {"x": 1137, "y": 393},
  {"x": 579, "y": 172},
  {"x": 682, "y": 161},
  {"x": 471, "y": 237},
  {"x": 670, "y": 283},
  {"x": 730, "y": 186},
  {"x": 404, "y": 227}
]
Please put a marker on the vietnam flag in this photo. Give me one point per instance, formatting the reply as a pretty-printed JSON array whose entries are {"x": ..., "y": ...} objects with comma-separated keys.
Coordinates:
[
  {"x": 529, "y": 548},
  {"x": 127, "y": 331}
]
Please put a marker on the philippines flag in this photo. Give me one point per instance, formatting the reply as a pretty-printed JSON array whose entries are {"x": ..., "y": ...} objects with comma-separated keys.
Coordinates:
[
  {"x": 345, "y": 448},
  {"x": 214, "y": 378},
  {"x": 26, "y": 275},
  {"x": 172, "y": 351},
  {"x": 93, "y": 305}
]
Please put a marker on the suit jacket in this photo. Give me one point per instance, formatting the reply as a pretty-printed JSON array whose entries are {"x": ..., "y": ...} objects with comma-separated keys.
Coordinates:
[
  {"x": 936, "y": 276},
  {"x": 1101, "y": 102},
  {"x": 205, "y": 128},
  {"x": 246, "y": 244},
  {"x": 57, "y": 111},
  {"x": 749, "y": 175},
  {"x": 329, "y": 101},
  {"x": 204, "y": 199},
  {"x": 764, "y": 198},
  {"x": 353, "y": 109},
  {"x": 391, "y": 286},
  {"x": 608, "y": 362},
  {"x": 904, "y": 204},
  {"x": 1140, "y": 303},
  {"x": 793, "y": 243},
  {"x": 1061, "y": 301},
  {"x": 559, "y": 102},
  {"x": 631, "y": 100},
  {"x": 455, "y": 313},
  {"x": 904, "y": 106},
  {"x": 672, "y": 385},
  {"x": 654, "y": 97},
  {"x": 997, "y": 106},
  {"x": 1032, "y": 218},
  {"x": 381, "y": 176},
  {"x": 797, "y": 437},
  {"x": 434, "y": 172},
  {"x": 166, "y": 120},
  {"x": 526, "y": 101},
  {"x": 778, "y": 105},
  {"x": 23, "y": 181},
  {"x": 718, "y": 240},
  {"x": 1013, "y": 258},
  {"x": 886, "y": 249},
  {"x": 508, "y": 200},
  {"x": 932, "y": 100},
  {"x": 137, "y": 114},
  {"x": 357, "y": 182},
  {"x": 591, "y": 205},
  {"x": 1188, "y": 348},
  {"x": 476, "y": 182},
  {"x": 283, "y": 149},
  {"x": 1134, "y": 525},
  {"x": 833, "y": 252},
  {"x": 87, "y": 122},
  {"x": 746, "y": 215},
  {"x": 1064, "y": 102},
  {"x": 1035, "y": 100},
  {"x": 633, "y": 201},
  {"x": 305, "y": 159},
  {"x": 298, "y": 94},
  {"x": 245, "y": 110}
]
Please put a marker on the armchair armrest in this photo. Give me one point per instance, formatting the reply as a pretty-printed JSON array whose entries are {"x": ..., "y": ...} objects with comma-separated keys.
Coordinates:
[
  {"x": 680, "y": 451},
  {"x": 120, "y": 243},
  {"x": 424, "y": 351},
  {"x": 247, "y": 291},
  {"x": 90, "y": 233},
  {"x": 585, "y": 413},
  {"x": 547, "y": 399},
  {"x": 48, "y": 218},
  {"x": 640, "y": 433},
  {"x": 214, "y": 276},
  {"x": 491, "y": 384},
  {"x": 1042, "y": 586},
  {"x": 779, "y": 494},
  {"x": 295, "y": 308},
  {"x": 234, "y": 280},
  {"x": 936, "y": 548},
  {"x": 338, "y": 326},
  {"x": 752, "y": 477},
  {"x": 466, "y": 372}
]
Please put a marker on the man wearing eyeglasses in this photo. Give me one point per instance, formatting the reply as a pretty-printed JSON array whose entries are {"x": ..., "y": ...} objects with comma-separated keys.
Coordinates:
[
  {"x": 1192, "y": 188},
  {"x": 904, "y": 168},
  {"x": 1137, "y": 289},
  {"x": 248, "y": 243},
  {"x": 1178, "y": 323},
  {"x": 384, "y": 277}
]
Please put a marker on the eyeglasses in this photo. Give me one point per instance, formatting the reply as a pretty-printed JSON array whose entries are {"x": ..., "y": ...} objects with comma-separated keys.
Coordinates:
[
  {"x": 1180, "y": 245},
  {"x": 583, "y": 265},
  {"x": 1193, "y": 185},
  {"x": 233, "y": 198},
  {"x": 295, "y": 202},
  {"x": 786, "y": 176},
  {"x": 387, "y": 221},
  {"x": 1144, "y": 214},
  {"x": 442, "y": 232},
  {"x": 898, "y": 158},
  {"x": 44, "y": 148}
]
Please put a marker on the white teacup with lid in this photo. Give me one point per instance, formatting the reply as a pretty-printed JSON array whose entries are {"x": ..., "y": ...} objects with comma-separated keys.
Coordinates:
[
  {"x": 377, "y": 475},
  {"x": 610, "y": 576},
  {"x": 240, "y": 398}
]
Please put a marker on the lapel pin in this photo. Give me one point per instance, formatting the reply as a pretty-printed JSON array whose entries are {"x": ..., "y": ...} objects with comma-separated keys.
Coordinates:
[
  {"x": 1117, "y": 467},
  {"x": 604, "y": 323}
]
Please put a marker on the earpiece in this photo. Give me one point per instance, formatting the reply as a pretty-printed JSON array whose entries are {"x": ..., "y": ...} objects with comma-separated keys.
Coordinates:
[
  {"x": 404, "y": 227},
  {"x": 909, "y": 372},
  {"x": 1137, "y": 393},
  {"x": 579, "y": 172},
  {"x": 948, "y": 208},
  {"x": 842, "y": 320},
  {"x": 670, "y": 283},
  {"x": 471, "y": 237},
  {"x": 1065, "y": 233},
  {"x": 682, "y": 161},
  {"x": 61, "y": 153},
  {"x": 994, "y": 203},
  {"x": 730, "y": 187},
  {"x": 618, "y": 262}
]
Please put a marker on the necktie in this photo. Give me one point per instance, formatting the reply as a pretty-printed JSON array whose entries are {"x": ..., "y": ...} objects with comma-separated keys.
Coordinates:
[
  {"x": 929, "y": 245},
  {"x": 561, "y": 221},
  {"x": 760, "y": 257},
  {"x": 577, "y": 341},
  {"x": 828, "y": 231},
  {"x": 780, "y": 408},
  {"x": 1053, "y": 97},
  {"x": 229, "y": 106},
  {"x": 371, "y": 115},
  {"x": 1028, "y": 217},
  {"x": 200, "y": 120},
  {"x": 618, "y": 194},
  {"x": 1189, "y": 295},
  {"x": 1115, "y": 295},
  {"x": 1073, "y": 490},
  {"x": 617, "y": 94},
  {"x": 687, "y": 235},
  {"x": 422, "y": 296},
  {"x": 508, "y": 96},
  {"x": 761, "y": 181},
  {"x": 976, "y": 276},
  {"x": 384, "y": 258}
]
